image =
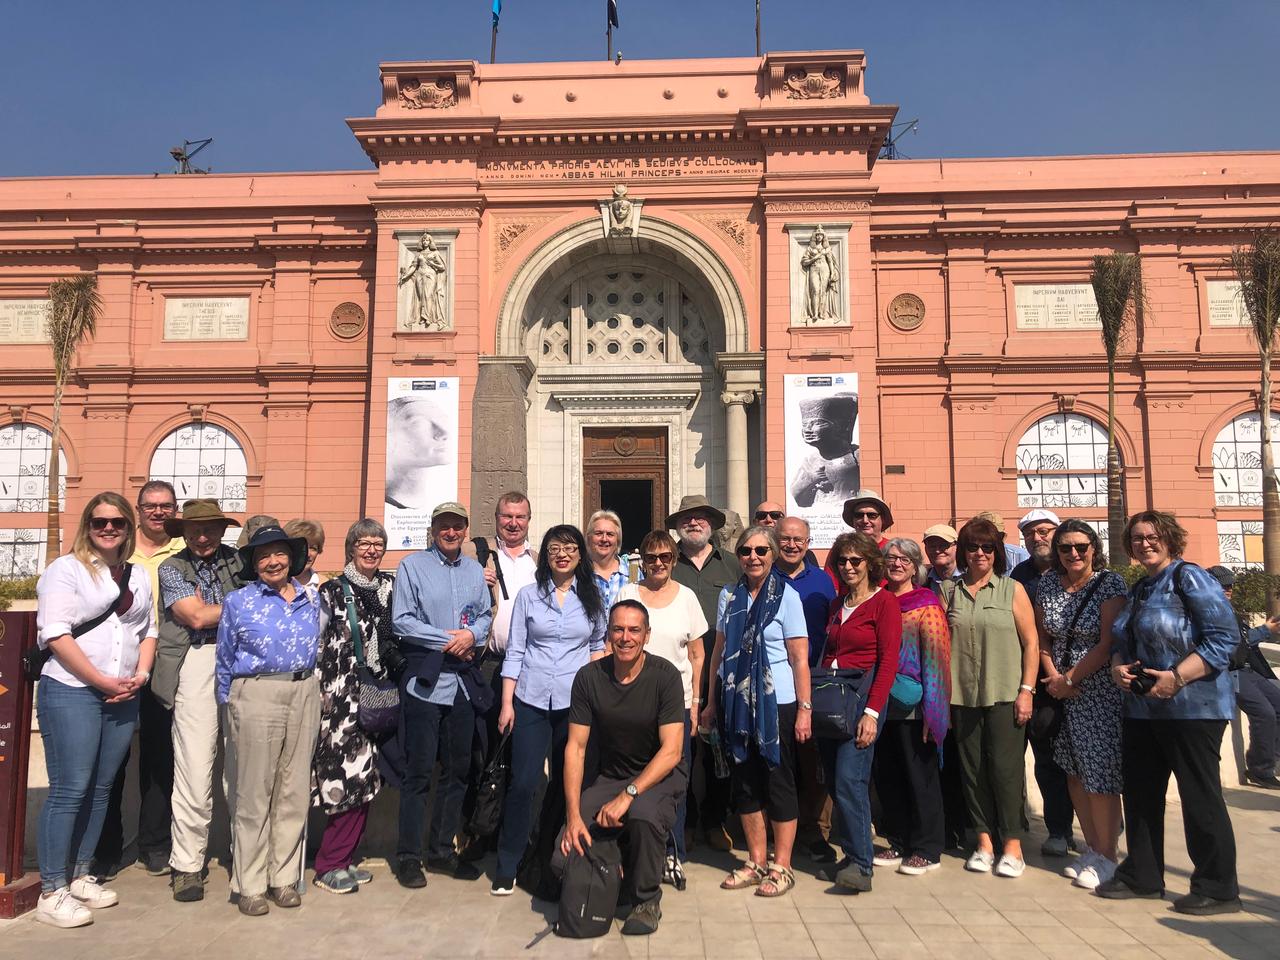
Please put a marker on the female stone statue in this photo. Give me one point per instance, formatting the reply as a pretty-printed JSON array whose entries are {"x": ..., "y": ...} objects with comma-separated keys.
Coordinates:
[
  {"x": 427, "y": 270},
  {"x": 822, "y": 278}
]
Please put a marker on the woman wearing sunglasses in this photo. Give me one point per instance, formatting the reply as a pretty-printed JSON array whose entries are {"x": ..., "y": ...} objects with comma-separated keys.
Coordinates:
[
  {"x": 761, "y": 658},
  {"x": 676, "y": 627},
  {"x": 1074, "y": 612},
  {"x": 994, "y": 662},
  {"x": 87, "y": 698}
]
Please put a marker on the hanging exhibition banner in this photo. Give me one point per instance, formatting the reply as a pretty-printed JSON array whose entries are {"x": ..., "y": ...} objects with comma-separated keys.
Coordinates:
[
  {"x": 821, "y": 426},
  {"x": 422, "y": 456}
]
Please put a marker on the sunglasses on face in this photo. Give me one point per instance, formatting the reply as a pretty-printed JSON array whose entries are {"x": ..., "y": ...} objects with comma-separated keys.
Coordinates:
[
  {"x": 1080, "y": 549},
  {"x": 866, "y": 515},
  {"x": 850, "y": 561},
  {"x": 758, "y": 551},
  {"x": 769, "y": 514},
  {"x": 103, "y": 523},
  {"x": 663, "y": 558},
  {"x": 987, "y": 548}
]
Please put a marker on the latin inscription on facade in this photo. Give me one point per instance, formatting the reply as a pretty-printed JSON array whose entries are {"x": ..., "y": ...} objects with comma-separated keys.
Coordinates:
[
  {"x": 630, "y": 169},
  {"x": 22, "y": 321},
  {"x": 206, "y": 318},
  {"x": 1055, "y": 306},
  {"x": 1226, "y": 305}
]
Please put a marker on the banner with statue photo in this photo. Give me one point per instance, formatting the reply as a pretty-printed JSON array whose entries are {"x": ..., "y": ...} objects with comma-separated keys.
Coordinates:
[
  {"x": 422, "y": 456},
  {"x": 822, "y": 464}
]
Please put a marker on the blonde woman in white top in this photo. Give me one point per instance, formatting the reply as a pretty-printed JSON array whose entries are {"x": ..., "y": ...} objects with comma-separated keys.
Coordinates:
[
  {"x": 676, "y": 628},
  {"x": 87, "y": 698}
]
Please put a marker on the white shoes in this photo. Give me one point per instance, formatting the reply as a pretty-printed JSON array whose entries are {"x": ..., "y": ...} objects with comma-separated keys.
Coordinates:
[
  {"x": 1072, "y": 869},
  {"x": 61, "y": 909},
  {"x": 92, "y": 894},
  {"x": 980, "y": 861},
  {"x": 1097, "y": 871},
  {"x": 1010, "y": 866}
]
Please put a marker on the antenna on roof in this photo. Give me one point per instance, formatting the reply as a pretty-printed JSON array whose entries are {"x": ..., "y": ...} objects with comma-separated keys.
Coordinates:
[
  {"x": 184, "y": 153},
  {"x": 890, "y": 149}
]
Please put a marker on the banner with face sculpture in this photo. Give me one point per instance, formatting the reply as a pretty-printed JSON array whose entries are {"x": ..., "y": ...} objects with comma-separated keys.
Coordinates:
[
  {"x": 422, "y": 456},
  {"x": 822, "y": 461}
]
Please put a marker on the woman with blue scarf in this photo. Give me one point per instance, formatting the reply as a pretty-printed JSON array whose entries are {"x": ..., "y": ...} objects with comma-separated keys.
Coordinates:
[{"x": 762, "y": 705}]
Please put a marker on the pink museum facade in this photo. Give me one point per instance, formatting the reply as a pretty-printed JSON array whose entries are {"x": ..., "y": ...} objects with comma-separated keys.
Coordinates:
[{"x": 484, "y": 308}]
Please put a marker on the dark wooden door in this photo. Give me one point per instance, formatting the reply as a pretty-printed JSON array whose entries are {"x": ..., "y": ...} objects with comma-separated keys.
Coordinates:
[{"x": 624, "y": 469}]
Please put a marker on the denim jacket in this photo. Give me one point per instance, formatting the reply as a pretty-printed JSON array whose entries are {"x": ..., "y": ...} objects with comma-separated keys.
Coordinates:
[{"x": 1165, "y": 632}]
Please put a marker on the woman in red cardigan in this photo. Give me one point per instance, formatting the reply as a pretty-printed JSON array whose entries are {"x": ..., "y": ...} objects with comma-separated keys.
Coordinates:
[{"x": 863, "y": 635}]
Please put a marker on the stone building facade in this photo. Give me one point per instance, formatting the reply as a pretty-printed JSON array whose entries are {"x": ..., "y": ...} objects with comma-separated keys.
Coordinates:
[{"x": 616, "y": 269}]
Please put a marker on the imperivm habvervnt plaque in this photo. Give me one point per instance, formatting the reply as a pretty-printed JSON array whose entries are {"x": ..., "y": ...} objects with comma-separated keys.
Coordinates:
[
  {"x": 1055, "y": 306},
  {"x": 23, "y": 321},
  {"x": 206, "y": 318}
]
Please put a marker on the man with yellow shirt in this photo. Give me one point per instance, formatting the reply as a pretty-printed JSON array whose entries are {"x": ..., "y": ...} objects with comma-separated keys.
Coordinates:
[{"x": 157, "y": 502}]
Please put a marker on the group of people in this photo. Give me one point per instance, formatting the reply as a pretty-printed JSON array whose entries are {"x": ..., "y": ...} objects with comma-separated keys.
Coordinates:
[{"x": 792, "y": 694}]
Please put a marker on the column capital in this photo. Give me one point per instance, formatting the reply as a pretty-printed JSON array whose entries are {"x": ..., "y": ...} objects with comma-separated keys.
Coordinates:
[{"x": 743, "y": 397}]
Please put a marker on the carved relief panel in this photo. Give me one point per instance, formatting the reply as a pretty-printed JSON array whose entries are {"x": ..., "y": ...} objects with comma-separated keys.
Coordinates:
[
  {"x": 425, "y": 280},
  {"x": 819, "y": 261}
]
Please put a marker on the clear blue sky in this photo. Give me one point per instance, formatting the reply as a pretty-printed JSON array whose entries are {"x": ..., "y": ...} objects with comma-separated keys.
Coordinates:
[{"x": 108, "y": 87}]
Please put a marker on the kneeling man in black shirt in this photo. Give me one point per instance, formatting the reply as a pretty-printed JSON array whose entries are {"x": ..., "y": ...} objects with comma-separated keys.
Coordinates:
[{"x": 634, "y": 705}]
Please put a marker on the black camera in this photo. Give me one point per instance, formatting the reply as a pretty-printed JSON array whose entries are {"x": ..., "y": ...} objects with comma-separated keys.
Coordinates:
[{"x": 1142, "y": 682}]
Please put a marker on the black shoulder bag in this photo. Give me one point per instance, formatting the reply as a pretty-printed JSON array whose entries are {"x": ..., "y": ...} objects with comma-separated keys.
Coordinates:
[
  {"x": 33, "y": 660},
  {"x": 378, "y": 699},
  {"x": 1047, "y": 710}
]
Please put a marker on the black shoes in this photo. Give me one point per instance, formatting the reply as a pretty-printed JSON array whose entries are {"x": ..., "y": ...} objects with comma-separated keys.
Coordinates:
[
  {"x": 453, "y": 866},
  {"x": 156, "y": 864},
  {"x": 821, "y": 852},
  {"x": 1117, "y": 889},
  {"x": 1199, "y": 905},
  {"x": 409, "y": 873},
  {"x": 643, "y": 919},
  {"x": 1266, "y": 783},
  {"x": 502, "y": 887}
]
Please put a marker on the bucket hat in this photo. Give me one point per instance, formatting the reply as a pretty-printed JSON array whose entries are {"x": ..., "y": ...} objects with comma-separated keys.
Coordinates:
[
  {"x": 198, "y": 511},
  {"x": 297, "y": 552},
  {"x": 689, "y": 505},
  {"x": 873, "y": 498}
]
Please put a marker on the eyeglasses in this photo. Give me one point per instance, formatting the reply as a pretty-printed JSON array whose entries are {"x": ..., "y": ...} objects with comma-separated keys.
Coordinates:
[
  {"x": 158, "y": 507},
  {"x": 1153, "y": 539},
  {"x": 899, "y": 562},
  {"x": 980, "y": 548},
  {"x": 850, "y": 561},
  {"x": 866, "y": 514},
  {"x": 103, "y": 523},
  {"x": 794, "y": 541},
  {"x": 562, "y": 550},
  {"x": 662, "y": 558},
  {"x": 370, "y": 546},
  {"x": 1080, "y": 549},
  {"x": 694, "y": 520},
  {"x": 769, "y": 514},
  {"x": 758, "y": 551}
]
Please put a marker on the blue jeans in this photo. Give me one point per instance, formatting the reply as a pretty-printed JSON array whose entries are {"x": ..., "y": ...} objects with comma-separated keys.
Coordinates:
[
  {"x": 537, "y": 732},
  {"x": 848, "y": 767},
  {"x": 85, "y": 740}
]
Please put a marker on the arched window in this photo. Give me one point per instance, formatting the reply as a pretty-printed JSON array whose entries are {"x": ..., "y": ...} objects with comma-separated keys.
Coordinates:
[
  {"x": 1237, "y": 461},
  {"x": 1062, "y": 463},
  {"x": 24, "y": 468},
  {"x": 203, "y": 460}
]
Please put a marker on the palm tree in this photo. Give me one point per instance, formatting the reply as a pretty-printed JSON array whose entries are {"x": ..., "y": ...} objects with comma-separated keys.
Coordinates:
[
  {"x": 74, "y": 307},
  {"x": 1117, "y": 288},
  {"x": 1257, "y": 267}
]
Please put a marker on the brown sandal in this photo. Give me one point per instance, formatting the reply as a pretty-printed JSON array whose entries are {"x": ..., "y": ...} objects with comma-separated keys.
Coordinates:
[
  {"x": 778, "y": 882},
  {"x": 751, "y": 875}
]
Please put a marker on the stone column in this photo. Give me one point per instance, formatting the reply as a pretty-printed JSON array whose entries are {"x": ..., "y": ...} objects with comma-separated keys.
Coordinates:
[
  {"x": 501, "y": 462},
  {"x": 735, "y": 402}
]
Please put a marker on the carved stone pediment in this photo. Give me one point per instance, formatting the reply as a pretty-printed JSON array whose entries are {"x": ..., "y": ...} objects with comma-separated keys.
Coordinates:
[
  {"x": 814, "y": 83},
  {"x": 428, "y": 93}
]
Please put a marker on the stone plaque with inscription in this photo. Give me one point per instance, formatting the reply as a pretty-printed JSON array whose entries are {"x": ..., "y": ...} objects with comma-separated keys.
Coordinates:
[
  {"x": 614, "y": 169},
  {"x": 23, "y": 321},
  {"x": 206, "y": 318},
  {"x": 1055, "y": 306},
  {"x": 1226, "y": 305}
]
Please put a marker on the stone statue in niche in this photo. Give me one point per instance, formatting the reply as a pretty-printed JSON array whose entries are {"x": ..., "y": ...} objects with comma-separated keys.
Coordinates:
[
  {"x": 822, "y": 279},
  {"x": 621, "y": 214},
  {"x": 833, "y": 472},
  {"x": 427, "y": 270}
]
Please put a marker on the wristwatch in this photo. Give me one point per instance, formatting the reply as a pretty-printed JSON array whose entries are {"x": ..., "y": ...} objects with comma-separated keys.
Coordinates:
[
  {"x": 805, "y": 705},
  {"x": 631, "y": 791},
  {"x": 1067, "y": 678}
]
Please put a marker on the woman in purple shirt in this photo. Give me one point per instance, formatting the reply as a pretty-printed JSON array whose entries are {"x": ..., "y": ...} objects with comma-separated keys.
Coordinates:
[{"x": 557, "y": 626}]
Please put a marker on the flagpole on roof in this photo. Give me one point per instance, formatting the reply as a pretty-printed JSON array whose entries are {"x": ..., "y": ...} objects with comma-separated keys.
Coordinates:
[
  {"x": 757, "y": 28},
  {"x": 493, "y": 36},
  {"x": 610, "y": 21}
]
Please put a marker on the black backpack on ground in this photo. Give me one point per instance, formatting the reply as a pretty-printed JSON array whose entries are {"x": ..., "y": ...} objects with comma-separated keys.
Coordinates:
[{"x": 589, "y": 890}]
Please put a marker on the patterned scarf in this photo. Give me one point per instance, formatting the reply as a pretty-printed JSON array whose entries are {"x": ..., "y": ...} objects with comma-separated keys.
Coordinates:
[
  {"x": 373, "y": 595},
  {"x": 750, "y": 703},
  {"x": 925, "y": 655}
]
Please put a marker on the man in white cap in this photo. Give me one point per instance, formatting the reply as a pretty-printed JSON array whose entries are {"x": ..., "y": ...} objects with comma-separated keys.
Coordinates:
[
  {"x": 1037, "y": 534},
  {"x": 940, "y": 548}
]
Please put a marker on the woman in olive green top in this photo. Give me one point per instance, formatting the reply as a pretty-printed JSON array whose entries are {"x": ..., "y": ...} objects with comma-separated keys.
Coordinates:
[{"x": 994, "y": 661}]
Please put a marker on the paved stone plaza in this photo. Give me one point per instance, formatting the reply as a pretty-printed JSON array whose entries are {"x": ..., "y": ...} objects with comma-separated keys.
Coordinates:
[{"x": 949, "y": 914}]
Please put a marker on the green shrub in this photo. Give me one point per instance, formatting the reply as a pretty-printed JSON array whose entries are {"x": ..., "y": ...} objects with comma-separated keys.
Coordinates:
[
  {"x": 22, "y": 589},
  {"x": 1131, "y": 573},
  {"x": 1249, "y": 595}
]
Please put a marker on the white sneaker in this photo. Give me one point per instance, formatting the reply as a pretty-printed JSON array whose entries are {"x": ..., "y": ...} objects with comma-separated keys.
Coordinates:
[
  {"x": 980, "y": 861},
  {"x": 92, "y": 894},
  {"x": 1010, "y": 866},
  {"x": 1072, "y": 869},
  {"x": 61, "y": 909},
  {"x": 1099, "y": 870}
]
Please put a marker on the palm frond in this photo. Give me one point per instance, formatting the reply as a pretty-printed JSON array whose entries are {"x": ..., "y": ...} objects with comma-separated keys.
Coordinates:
[
  {"x": 1117, "y": 289},
  {"x": 74, "y": 306},
  {"x": 1257, "y": 267}
]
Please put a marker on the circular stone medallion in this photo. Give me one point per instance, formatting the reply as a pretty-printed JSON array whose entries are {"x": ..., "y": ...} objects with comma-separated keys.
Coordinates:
[
  {"x": 906, "y": 311},
  {"x": 347, "y": 320}
]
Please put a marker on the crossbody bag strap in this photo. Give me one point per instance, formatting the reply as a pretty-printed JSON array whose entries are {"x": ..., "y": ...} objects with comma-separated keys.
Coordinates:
[
  {"x": 101, "y": 618},
  {"x": 1080, "y": 608},
  {"x": 352, "y": 620}
]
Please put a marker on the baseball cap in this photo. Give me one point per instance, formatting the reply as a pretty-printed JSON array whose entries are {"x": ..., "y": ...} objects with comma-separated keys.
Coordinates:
[
  {"x": 1039, "y": 516},
  {"x": 451, "y": 506},
  {"x": 943, "y": 532}
]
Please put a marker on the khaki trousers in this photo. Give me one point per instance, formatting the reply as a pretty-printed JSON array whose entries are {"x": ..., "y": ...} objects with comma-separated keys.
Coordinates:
[
  {"x": 195, "y": 747},
  {"x": 274, "y": 724}
]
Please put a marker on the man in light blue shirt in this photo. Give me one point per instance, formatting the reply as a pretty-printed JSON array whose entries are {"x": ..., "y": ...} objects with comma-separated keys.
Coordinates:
[{"x": 440, "y": 606}]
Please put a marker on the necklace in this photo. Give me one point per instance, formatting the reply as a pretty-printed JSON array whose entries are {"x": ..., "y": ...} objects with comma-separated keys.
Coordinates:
[{"x": 857, "y": 603}]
